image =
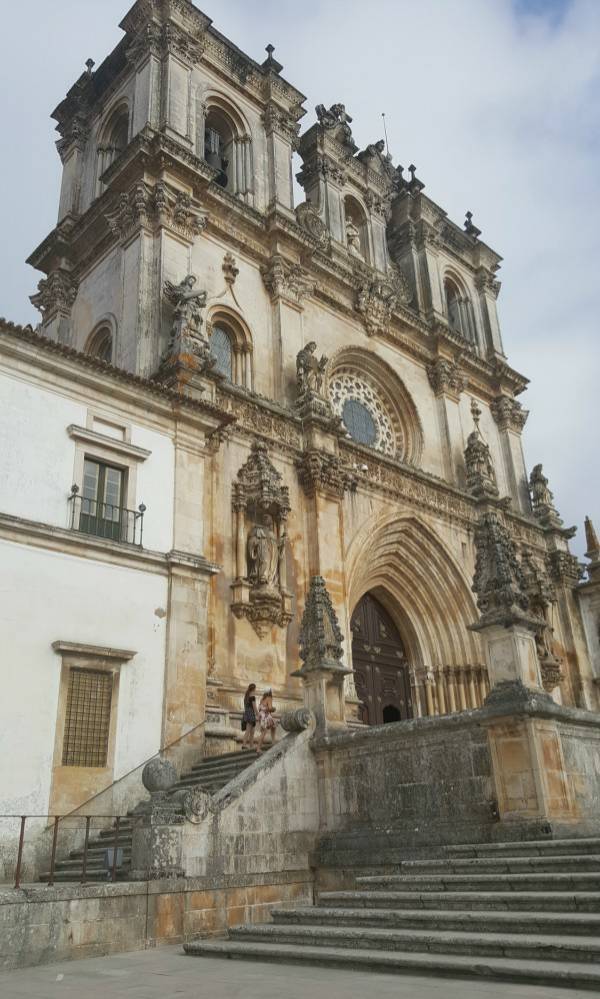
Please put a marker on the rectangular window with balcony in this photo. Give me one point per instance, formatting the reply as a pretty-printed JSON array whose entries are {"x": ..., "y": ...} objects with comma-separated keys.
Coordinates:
[
  {"x": 87, "y": 720},
  {"x": 101, "y": 510}
]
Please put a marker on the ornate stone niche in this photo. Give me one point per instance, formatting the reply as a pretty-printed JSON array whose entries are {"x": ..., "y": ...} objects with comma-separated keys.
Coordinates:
[
  {"x": 542, "y": 595},
  {"x": 261, "y": 506}
]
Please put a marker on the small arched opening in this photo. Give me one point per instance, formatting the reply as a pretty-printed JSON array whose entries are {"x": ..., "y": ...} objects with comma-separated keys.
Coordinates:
[
  {"x": 114, "y": 138},
  {"x": 227, "y": 148},
  {"x": 100, "y": 343},
  {"x": 459, "y": 310}
]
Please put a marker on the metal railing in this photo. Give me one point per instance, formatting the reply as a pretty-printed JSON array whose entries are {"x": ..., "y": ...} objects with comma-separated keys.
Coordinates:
[
  {"x": 104, "y": 520},
  {"x": 113, "y": 858}
]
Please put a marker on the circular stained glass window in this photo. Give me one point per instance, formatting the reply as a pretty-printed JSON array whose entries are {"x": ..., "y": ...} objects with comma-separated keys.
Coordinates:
[{"x": 359, "y": 423}]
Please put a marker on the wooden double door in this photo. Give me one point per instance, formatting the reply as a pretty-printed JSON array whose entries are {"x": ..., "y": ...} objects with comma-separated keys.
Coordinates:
[{"x": 381, "y": 673}]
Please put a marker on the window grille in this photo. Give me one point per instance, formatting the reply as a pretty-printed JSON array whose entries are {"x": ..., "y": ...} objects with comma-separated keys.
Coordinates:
[
  {"x": 220, "y": 348},
  {"x": 87, "y": 720}
]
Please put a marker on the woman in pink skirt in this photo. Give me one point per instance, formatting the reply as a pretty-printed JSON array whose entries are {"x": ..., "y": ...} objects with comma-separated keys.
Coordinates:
[{"x": 266, "y": 722}]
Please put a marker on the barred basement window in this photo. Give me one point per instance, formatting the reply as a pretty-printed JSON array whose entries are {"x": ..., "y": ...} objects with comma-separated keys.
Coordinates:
[{"x": 87, "y": 720}]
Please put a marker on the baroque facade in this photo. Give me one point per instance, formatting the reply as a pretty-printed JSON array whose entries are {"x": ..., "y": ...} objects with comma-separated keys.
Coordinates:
[{"x": 229, "y": 394}]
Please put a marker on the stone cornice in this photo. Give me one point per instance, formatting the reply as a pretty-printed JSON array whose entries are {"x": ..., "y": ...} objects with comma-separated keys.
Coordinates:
[
  {"x": 93, "y": 651},
  {"x": 20, "y": 530},
  {"x": 22, "y": 341}
]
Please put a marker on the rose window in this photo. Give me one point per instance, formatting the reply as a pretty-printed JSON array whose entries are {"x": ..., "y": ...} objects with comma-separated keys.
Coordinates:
[{"x": 362, "y": 411}]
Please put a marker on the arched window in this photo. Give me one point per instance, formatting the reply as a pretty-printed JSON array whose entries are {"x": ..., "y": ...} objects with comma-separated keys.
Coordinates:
[
  {"x": 222, "y": 351},
  {"x": 459, "y": 310},
  {"x": 231, "y": 347},
  {"x": 227, "y": 148},
  {"x": 114, "y": 138},
  {"x": 100, "y": 344},
  {"x": 356, "y": 227}
]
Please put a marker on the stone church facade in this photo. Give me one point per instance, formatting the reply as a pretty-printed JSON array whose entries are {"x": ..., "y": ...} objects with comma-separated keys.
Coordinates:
[{"x": 230, "y": 394}]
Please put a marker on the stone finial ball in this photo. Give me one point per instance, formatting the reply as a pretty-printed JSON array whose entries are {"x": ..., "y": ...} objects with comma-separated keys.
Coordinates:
[{"x": 159, "y": 775}]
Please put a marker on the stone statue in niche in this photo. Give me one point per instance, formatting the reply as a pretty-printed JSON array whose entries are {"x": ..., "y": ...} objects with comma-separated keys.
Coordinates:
[
  {"x": 310, "y": 370},
  {"x": 265, "y": 552},
  {"x": 353, "y": 239},
  {"x": 261, "y": 506}
]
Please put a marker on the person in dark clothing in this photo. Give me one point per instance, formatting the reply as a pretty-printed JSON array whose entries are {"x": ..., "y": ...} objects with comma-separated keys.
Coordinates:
[{"x": 249, "y": 717}]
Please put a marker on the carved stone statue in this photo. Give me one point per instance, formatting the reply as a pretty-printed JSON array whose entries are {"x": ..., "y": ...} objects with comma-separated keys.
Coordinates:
[
  {"x": 310, "y": 370},
  {"x": 265, "y": 551},
  {"x": 261, "y": 505},
  {"x": 187, "y": 341},
  {"x": 542, "y": 498},
  {"x": 188, "y": 304},
  {"x": 353, "y": 239},
  {"x": 336, "y": 118}
]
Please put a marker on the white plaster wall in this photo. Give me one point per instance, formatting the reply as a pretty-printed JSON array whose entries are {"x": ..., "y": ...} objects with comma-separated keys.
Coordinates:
[
  {"x": 39, "y": 460},
  {"x": 44, "y": 597}
]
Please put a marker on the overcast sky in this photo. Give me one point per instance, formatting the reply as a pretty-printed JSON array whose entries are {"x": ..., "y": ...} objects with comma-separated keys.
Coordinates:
[{"x": 496, "y": 102}]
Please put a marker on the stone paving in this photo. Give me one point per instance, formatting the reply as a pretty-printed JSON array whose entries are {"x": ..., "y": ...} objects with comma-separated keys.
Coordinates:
[{"x": 166, "y": 973}]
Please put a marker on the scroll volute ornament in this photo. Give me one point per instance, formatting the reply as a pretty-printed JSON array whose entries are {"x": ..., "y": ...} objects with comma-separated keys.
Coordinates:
[{"x": 261, "y": 506}]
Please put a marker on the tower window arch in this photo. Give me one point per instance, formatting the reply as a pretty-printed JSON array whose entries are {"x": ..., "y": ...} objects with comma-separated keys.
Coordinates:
[
  {"x": 459, "y": 310},
  {"x": 114, "y": 138},
  {"x": 356, "y": 228},
  {"x": 100, "y": 343},
  {"x": 231, "y": 347},
  {"x": 227, "y": 148}
]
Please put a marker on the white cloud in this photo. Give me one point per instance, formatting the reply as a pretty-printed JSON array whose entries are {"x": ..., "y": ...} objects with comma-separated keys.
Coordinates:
[{"x": 499, "y": 111}]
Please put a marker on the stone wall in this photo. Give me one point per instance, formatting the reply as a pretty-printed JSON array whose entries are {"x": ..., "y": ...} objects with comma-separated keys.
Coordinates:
[
  {"x": 40, "y": 925},
  {"x": 404, "y": 788}
]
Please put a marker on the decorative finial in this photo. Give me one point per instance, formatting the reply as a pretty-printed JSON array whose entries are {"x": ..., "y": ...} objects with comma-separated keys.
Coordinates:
[
  {"x": 470, "y": 227},
  {"x": 89, "y": 65},
  {"x": 270, "y": 62},
  {"x": 476, "y": 414},
  {"x": 414, "y": 183}
]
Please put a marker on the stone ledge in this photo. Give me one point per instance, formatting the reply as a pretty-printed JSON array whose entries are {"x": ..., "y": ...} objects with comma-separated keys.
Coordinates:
[
  {"x": 20, "y": 530},
  {"x": 67, "y": 892}
]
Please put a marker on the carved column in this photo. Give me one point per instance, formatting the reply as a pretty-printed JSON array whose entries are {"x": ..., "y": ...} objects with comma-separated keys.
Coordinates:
[
  {"x": 447, "y": 382},
  {"x": 511, "y": 418}
]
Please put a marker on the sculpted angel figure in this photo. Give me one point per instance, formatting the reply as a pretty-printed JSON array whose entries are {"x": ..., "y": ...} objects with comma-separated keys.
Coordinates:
[
  {"x": 265, "y": 551},
  {"x": 188, "y": 303},
  {"x": 310, "y": 370}
]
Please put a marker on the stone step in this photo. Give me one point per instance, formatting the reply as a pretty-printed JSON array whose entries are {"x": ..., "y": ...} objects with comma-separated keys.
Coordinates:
[
  {"x": 512, "y": 945},
  {"x": 504, "y": 865},
  {"x": 567, "y": 975},
  {"x": 543, "y": 847},
  {"x": 97, "y": 853},
  {"x": 125, "y": 829},
  {"x": 571, "y": 923},
  {"x": 519, "y": 901},
  {"x": 226, "y": 759},
  {"x": 576, "y": 881},
  {"x": 92, "y": 874}
]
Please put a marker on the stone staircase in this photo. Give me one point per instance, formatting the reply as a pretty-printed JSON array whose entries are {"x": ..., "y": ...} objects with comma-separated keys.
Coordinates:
[
  {"x": 211, "y": 775},
  {"x": 520, "y": 912}
]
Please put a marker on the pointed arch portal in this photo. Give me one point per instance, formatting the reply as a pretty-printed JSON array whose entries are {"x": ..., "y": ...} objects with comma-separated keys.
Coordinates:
[{"x": 381, "y": 674}]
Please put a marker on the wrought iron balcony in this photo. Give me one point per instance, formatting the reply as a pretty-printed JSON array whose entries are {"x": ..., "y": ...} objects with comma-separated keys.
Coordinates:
[{"x": 103, "y": 520}]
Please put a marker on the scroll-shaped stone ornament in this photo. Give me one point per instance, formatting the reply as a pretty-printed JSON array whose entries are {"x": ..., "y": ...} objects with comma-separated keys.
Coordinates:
[
  {"x": 296, "y": 721},
  {"x": 196, "y": 805}
]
